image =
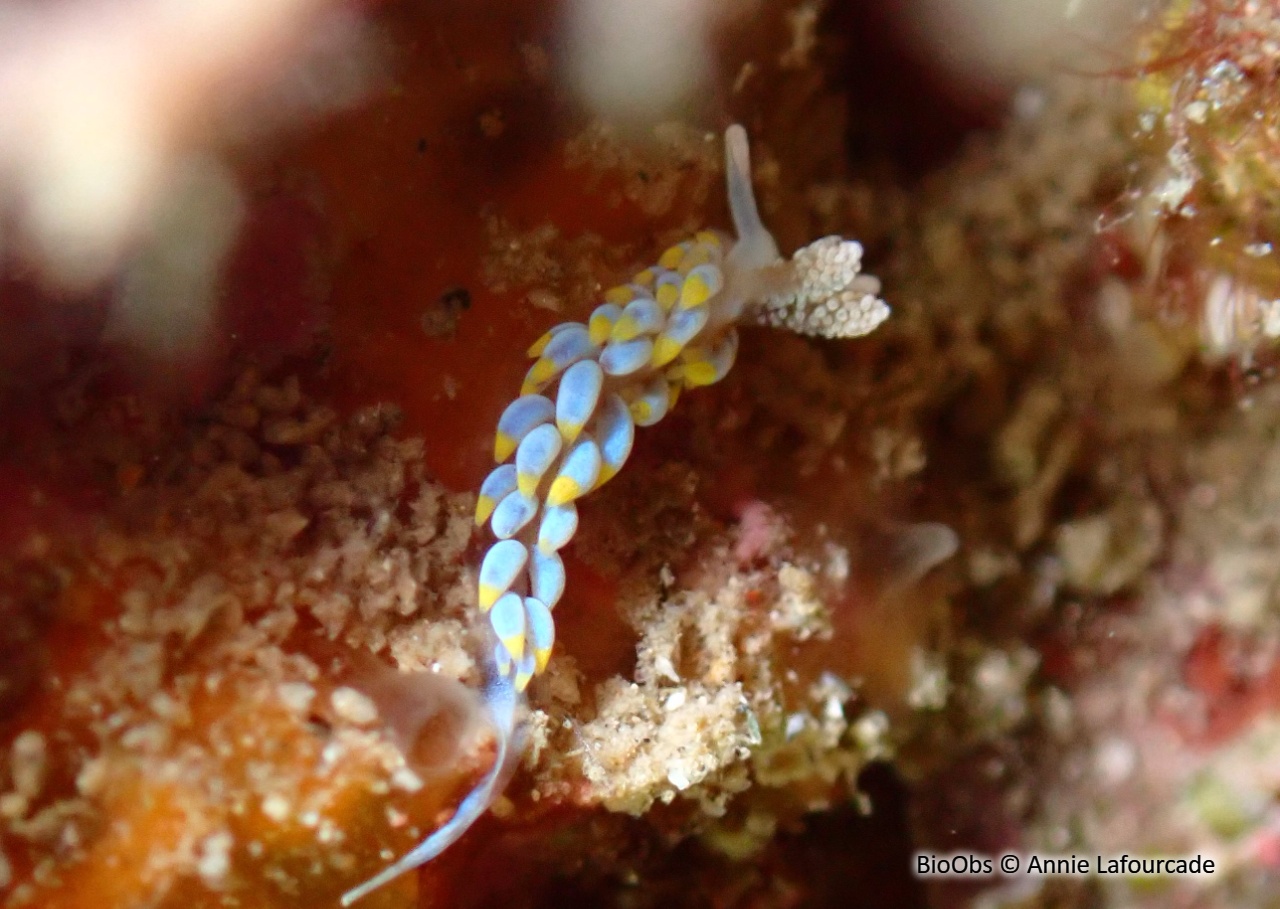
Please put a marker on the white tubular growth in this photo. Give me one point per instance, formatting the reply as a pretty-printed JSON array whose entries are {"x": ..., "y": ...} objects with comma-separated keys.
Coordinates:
[
  {"x": 755, "y": 247},
  {"x": 824, "y": 293}
]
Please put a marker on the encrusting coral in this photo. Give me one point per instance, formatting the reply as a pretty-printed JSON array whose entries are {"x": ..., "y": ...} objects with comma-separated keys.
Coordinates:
[{"x": 672, "y": 328}]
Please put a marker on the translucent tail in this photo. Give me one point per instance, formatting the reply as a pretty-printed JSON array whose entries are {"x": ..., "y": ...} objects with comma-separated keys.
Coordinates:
[{"x": 504, "y": 705}]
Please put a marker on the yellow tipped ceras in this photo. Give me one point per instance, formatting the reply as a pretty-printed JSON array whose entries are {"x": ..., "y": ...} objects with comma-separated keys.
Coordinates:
[{"x": 672, "y": 327}]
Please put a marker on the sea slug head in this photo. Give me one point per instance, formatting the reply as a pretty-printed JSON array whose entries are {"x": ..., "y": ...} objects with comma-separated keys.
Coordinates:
[{"x": 821, "y": 291}]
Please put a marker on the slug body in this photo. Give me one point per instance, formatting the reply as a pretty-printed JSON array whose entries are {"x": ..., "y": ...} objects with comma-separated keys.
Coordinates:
[{"x": 671, "y": 328}]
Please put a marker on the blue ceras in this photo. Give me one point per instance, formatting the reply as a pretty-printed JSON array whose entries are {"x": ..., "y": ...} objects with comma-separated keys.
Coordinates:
[{"x": 672, "y": 327}]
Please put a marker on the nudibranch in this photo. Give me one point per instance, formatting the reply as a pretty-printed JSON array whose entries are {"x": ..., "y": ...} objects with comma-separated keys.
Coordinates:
[{"x": 672, "y": 327}]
